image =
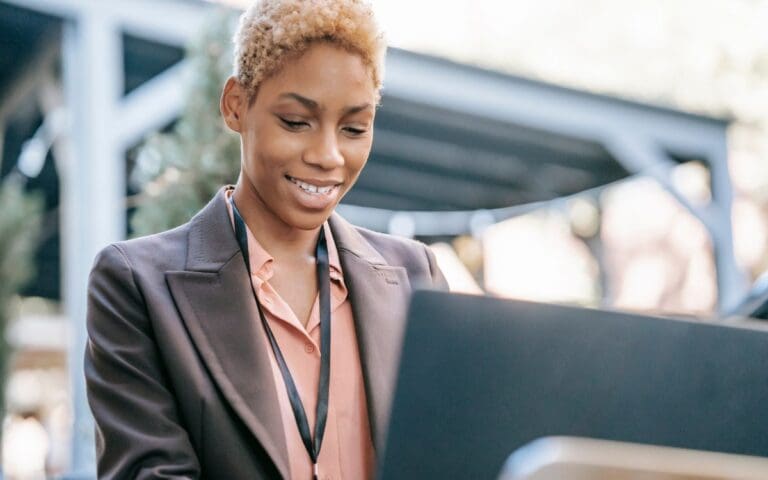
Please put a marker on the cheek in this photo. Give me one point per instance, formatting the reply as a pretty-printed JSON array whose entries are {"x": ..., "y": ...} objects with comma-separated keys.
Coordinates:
[
  {"x": 356, "y": 158},
  {"x": 271, "y": 151}
]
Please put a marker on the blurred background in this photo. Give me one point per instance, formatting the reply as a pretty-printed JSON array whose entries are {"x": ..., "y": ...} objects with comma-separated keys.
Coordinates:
[{"x": 604, "y": 153}]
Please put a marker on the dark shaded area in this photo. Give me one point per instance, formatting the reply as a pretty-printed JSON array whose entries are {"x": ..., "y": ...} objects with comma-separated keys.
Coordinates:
[
  {"x": 755, "y": 303},
  {"x": 20, "y": 127},
  {"x": 426, "y": 158},
  {"x": 761, "y": 312},
  {"x": 144, "y": 59},
  {"x": 22, "y": 34},
  {"x": 46, "y": 282}
]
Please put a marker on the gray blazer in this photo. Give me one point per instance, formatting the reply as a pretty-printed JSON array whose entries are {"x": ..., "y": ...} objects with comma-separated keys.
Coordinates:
[{"x": 180, "y": 386}]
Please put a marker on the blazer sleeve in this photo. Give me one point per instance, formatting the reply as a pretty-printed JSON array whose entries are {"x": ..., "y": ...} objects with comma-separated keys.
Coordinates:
[
  {"x": 138, "y": 432},
  {"x": 438, "y": 279}
]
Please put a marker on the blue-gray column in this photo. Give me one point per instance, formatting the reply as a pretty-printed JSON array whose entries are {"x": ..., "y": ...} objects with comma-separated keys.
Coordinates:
[{"x": 93, "y": 191}]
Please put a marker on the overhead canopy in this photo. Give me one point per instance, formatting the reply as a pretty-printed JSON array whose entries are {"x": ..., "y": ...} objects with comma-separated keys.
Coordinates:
[
  {"x": 431, "y": 158},
  {"x": 451, "y": 136}
]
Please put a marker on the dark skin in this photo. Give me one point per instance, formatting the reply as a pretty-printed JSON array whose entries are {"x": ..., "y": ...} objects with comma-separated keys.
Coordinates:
[{"x": 304, "y": 140}]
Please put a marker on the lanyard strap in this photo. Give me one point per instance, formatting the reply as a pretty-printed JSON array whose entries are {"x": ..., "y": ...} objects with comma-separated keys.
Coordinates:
[{"x": 324, "y": 292}]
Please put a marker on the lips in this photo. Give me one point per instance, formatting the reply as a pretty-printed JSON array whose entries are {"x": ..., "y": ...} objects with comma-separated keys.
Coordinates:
[
  {"x": 315, "y": 194},
  {"x": 314, "y": 186}
]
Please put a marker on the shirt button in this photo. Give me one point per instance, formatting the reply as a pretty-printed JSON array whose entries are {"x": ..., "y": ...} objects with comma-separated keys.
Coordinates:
[{"x": 309, "y": 348}]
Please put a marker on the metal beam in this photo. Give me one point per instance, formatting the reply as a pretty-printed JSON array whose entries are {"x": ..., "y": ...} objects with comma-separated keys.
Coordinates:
[
  {"x": 152, "y": 106},
  {"x": 732, "y": 281},
  {"x": 638, "y": 135},
  {"x": 361, "y": 196},
  {"x": 647, "y": 159},
  {"x": 489, "y": 95},
  {"x": 66, "y": 9},
  {"x": 449, "y": 223},
  {"x": 173, "y": 22},
  {"x": 167, "y": 21}
]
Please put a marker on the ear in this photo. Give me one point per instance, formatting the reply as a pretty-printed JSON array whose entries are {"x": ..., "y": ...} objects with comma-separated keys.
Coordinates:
[{"x": 233, "y": 104}]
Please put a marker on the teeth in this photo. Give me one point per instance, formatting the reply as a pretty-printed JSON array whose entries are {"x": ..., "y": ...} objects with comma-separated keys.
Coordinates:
[{"x": 309, "y": 188}]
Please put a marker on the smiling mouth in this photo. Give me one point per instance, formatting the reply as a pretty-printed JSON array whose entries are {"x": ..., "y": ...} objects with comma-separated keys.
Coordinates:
[{"x": 312, "y": 189}]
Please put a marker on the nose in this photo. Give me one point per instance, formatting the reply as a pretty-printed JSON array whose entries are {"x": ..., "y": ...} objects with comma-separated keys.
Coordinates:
[{"x": 324, "y": 151}]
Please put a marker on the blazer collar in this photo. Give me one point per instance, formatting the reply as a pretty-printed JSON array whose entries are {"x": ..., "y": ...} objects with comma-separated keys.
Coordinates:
[
  {"x": 212, "y": 242},
  {"x": 217, "y": 307},
  {"x": 379, "y": 294},
  {"x": 349, "y": 239}
]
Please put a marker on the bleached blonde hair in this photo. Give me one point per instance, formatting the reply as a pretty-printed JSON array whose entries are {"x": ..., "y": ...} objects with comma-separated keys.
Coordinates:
[{"x": 273, "y": 31}]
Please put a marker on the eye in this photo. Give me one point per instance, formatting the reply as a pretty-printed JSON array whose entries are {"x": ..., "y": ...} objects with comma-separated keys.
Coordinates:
[
  {"x": 293, "y": 125},
  {"x": 355, "y": 132}
]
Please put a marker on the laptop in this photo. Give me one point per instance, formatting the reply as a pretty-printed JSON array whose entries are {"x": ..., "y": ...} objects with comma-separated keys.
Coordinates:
[
  {"x": 481, "y": 377},
  {"x": 573, "y": 458}
]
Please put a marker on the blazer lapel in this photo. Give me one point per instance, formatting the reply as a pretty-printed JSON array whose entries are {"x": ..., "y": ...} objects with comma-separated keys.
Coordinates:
[
  {"x": 217, "y": 307},
  {"x": 379, "y": 295}
]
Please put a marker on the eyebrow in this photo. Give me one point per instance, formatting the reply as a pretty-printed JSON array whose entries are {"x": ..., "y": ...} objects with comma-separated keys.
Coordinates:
[{"x": 313, "y": 105}]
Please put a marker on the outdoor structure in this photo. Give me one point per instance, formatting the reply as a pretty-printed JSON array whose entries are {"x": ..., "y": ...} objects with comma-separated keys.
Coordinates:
[
  {"x": 457, "y": 148},
  {"x": 755, "y": 303},
  {"x": 74, "y": 72}
]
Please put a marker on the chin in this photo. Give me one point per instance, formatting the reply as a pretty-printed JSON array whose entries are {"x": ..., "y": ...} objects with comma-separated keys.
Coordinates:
[{"x": 307, "y": 220}]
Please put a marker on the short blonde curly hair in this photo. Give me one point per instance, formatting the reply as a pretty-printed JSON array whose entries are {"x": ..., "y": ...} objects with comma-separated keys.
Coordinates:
[{"x": 271, "y": 31}]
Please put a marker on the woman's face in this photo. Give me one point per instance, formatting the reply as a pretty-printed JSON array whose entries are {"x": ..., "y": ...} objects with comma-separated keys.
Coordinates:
[{"x": 307, "y": 135}]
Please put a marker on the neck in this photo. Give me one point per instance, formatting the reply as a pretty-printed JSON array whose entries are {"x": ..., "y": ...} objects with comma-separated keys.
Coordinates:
[{"x": 281, "y": 240}]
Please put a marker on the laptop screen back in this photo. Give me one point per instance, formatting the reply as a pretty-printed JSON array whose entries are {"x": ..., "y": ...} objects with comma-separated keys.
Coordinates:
[{"x": 480, "y": 377}]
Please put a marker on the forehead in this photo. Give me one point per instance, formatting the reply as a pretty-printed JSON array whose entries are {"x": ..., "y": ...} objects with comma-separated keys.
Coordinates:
[{"x": 324, "y": 72}]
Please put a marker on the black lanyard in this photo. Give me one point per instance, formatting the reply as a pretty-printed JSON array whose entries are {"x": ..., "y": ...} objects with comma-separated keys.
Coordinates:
[{"x": 324, "y": 287}]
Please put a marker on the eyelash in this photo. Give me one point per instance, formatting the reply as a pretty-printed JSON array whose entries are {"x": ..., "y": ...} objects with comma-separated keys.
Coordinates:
[
  {"x": 355, "y": 131},
  {"x": 293, "y": 125},
  {"x": 297, "y": 125}
]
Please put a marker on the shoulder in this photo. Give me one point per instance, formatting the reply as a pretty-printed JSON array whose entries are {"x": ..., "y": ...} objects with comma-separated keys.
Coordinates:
[
  {"x": 382, "y": 248},
  {"x": 397, "y": 251},
  {"x": 416, "y": 257},
  {"x": 161, "y": 252}
]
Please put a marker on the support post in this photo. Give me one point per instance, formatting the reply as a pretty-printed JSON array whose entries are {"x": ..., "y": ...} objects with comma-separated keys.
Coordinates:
[{"x": 94, "y": 182}]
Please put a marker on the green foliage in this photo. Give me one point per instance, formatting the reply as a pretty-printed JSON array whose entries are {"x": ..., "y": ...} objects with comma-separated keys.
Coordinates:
[
  {"x": 20, "y": 223},
  {"x": 178, "y": 172}
]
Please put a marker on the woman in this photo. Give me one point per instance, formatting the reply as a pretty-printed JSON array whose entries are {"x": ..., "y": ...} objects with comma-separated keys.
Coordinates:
[{"x": 260, "y": 339}]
